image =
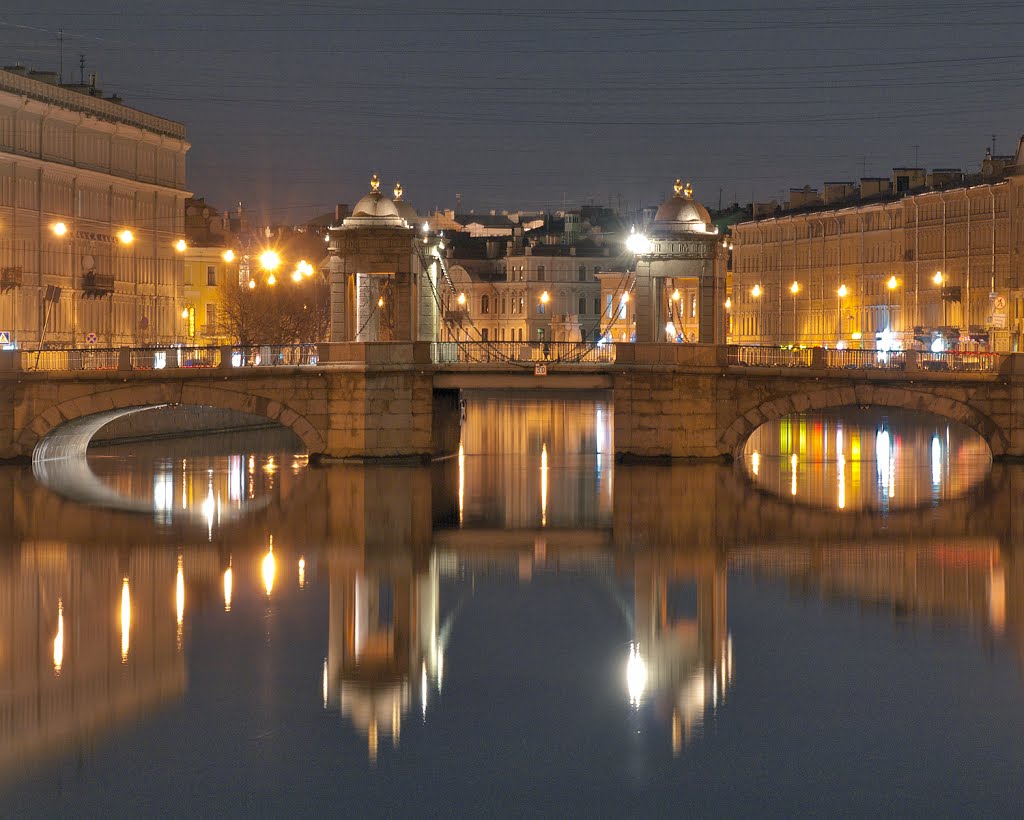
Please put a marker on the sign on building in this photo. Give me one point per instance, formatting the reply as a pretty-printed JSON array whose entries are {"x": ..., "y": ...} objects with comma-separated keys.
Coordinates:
[{"x": 5, "y": 337}]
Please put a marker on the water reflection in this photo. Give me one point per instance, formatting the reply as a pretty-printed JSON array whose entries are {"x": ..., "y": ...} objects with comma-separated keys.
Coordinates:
[
  {"x": 410, "y": 563},
  {"x": 853, "y": 459}
]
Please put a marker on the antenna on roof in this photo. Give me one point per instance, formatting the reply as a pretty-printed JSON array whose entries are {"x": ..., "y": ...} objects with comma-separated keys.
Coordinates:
[
  {"x": 993, "y": 145},
  {"x": 60, "y": 58},
  {"x": 81, "y": 69}
]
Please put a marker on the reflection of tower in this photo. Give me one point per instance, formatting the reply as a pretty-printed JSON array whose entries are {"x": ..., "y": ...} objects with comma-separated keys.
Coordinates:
[
  {"x": 382, "y": 639},
  {"x": 685, "y": 663}
]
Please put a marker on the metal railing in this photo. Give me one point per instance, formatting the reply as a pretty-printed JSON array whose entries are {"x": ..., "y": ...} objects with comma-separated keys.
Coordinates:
[
  {"x": 273, "y": 355},
  {"x": 522, "y": 352},
  {"x": 960, "y": 362},
  {"x": 99, "y": 358},
  {"x": 754, "y": 356},
  {"x": 866, "y": 359}
]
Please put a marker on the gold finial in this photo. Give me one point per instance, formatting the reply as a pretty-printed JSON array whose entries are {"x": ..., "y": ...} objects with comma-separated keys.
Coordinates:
[
  {"x": 398, "y": 190},
  {"x": 374, "y": 184},
  {"x": 678, "y": 187},
  {"x": 688, "y": 191}
]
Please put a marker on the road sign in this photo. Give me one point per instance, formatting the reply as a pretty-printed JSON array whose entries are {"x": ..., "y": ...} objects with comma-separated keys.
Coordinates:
[
  {"x": 999, "y": 320},
  {"x": 5, "y": 337},
  {"x": 91, "y": 338},
  {"x": 540, "y": 370},
  {"x": 999, "y": 303}
]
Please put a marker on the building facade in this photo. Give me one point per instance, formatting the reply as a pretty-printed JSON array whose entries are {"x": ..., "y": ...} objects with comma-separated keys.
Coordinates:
[
  {"x": 912, "y": 267},
  {"x": 92, "y": 199}
]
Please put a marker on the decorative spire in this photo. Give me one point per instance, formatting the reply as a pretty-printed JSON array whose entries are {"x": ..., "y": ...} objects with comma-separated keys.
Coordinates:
[
  {"x": 678, "y": 187},
  {"x": 374, "y": 184},
  {"x": 688, "y": 191},
  {"x": 398, "y": 191}
]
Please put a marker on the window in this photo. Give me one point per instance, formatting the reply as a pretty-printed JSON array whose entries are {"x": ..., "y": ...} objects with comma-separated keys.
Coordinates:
[
  {"x": 188, "y": 275},
  {"x": 540, "y": 307},
  {"x": 540, "y": 273},
  {"x": 211, "y": 318},
  {"x": 483, "y": 332},
  {"x": 597, "y": 270},
  {"x": 582, "y": 273},
  {"x": 211, "y": 275},
  {"x": 583, "y": 306},
  {"x": 502, "y": 304},
  {"x": 597, "y": 306},
  {"x": 485, "y": 304},
  {"x": 693, "y": 307}
]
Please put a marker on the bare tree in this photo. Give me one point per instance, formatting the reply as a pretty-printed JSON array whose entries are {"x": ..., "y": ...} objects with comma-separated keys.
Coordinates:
[{"x": 285, "y": 313}]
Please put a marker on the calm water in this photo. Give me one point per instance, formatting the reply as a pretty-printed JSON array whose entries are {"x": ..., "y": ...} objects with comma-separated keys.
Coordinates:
[{"x": 528, "y": 628}]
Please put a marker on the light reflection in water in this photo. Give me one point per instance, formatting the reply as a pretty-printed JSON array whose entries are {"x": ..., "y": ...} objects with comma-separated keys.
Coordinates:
[
  {"x": 179, "y": 599},
  {"x": 227, "y": 588},
  {"x": 269, "y": 568},
  {"x": 877, "y": 459},
  {"x": 58, "y": 641},
  {"x": 126, "y": 618}
]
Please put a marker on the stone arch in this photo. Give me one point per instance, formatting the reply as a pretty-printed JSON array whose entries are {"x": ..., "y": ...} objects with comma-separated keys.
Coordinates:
[
  {"x": 141, "y": 395},
  {"x": 736, "y": 434}
]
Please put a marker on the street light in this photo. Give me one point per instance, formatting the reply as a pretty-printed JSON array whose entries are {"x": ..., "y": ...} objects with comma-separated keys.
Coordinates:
[
  {"x": 270, "y": 261},
  {"x": 461, "y": 299},
  {"x": 59, "y": 229},
  {"x": 794, "y": 289},
  {"x": 756, "y": 293},
  {"x": 181, "y": 246},
  {"x": 126, "y": 237},
  {"x": 841, "y": 294},
  {"x": 891, "y": 285},
  {"x": 228, "y": 255},
  {"x": 939, "y": 280},
  {"x": 637, "y": 243}
]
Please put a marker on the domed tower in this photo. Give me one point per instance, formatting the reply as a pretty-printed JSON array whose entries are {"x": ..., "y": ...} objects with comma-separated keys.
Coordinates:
[
  {"x": 376, "y": 292},
  {"x": 680, "y": 275}
]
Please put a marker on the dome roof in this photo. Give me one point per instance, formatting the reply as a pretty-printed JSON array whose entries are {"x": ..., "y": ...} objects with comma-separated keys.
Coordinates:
[
  {"x": 403, "y": 208},
  {"x": 375, "y": 204},
  {"x": 374, "y": 211},
  {"x": 683, "y": 213}
]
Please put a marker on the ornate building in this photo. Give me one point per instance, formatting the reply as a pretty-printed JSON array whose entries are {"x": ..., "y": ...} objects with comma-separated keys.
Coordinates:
[
  {"x": 91, "y": 206},
  {"x": 925, "y": 265}
]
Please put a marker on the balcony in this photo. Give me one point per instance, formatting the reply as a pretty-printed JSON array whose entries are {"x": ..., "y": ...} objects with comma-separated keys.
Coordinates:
[
  {"x": 97, "y": 285},
  {"x": 10, "y": 278}
]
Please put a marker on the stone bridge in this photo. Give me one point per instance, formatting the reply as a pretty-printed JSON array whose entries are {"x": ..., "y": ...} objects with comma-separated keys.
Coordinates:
[{"x": 388, "y": 400}]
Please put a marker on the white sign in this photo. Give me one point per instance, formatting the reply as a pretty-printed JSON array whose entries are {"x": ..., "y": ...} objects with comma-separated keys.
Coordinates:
[
  {"x": 999, "y": 320},
  {"x": 999, "y": 304},
  {"x": 540, "y": 370},
  {"x": 5, "y": 337}
]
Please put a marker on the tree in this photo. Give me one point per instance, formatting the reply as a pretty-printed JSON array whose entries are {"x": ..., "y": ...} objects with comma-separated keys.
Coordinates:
[{"x": 288, "y": 312}]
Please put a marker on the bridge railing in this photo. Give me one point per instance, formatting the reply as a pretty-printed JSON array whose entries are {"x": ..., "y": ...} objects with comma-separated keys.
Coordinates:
[
  {"x": 273, "y": 355},
  {"x": 91, "y": 358},
  {"x": 960, "y": 362},
  {"x": 525, "y": 352},
  {"x": 755, "y": 356},
  {"x": 866, "y": 359}
]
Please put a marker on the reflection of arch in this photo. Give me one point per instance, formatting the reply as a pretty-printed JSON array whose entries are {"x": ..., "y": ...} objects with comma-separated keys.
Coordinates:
[
  {"x": 735, "y": 436},
  {"x": 140, "y": 396}
]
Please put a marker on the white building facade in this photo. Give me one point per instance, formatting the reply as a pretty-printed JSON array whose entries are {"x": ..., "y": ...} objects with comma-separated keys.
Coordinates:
[{"x": 91, "y": 203}]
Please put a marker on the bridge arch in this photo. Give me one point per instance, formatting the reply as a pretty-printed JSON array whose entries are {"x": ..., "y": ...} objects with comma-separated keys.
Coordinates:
[
  {"x": 736, "y": 434},
  {"x": 148, "y": 396}
]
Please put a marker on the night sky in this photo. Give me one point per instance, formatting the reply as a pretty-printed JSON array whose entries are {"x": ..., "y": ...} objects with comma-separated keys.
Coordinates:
[{"x": 291, "y": 106}]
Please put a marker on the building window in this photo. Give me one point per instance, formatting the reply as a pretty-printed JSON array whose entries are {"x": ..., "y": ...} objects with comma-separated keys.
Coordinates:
[
  {"x": 485, "y": 304},
  {"x": 582, "y": 273},
  {"x": 583, "y": 306},
  {"x": 211, "y": 319},
  {"x": 540, "y": 307},
  {"x": 483, "y": 333},
  {"x": 188, "y": 275},
  {"x": 211, "y": 275},
  {"x": 540, "y": 273},
  {"x": 693, "y": 307},
  {"x": 503, "y": 304},
  {"x": 597, "y": 270},
  {"x": 597, "y": 306}
]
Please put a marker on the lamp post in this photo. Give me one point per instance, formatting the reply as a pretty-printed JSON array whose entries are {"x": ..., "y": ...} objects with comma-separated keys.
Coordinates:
[
  {"x": 794, "y": 289},
  {"x": 127, "y": 239},
  {"x": 891, "y": 285},
  {"x": 840, "y": 295},
  {"x": 939, "y": 279},
  {"x": 756, "y": 293}
]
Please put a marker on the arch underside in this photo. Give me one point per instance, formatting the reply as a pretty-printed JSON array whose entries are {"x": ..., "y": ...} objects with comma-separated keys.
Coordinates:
[
  {"x": 735, "y": 436},
  {"x": 138, "y": 397}
]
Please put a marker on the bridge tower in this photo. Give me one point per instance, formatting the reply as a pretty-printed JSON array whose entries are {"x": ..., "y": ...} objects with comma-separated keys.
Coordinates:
[
  {"x": 680, "y": 275},
  {"x": 380, "y": 291}
]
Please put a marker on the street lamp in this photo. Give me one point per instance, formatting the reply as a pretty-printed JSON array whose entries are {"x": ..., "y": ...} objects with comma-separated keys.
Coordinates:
[
  {"x": 270, "y": 261},
  {"x": 228, "y": 255},
  {"x": 891, "y": 285},
  {"x": 126, "y": 237},
  {"x": 756, "y": 293},
  {"x": 841, "y": 294},
  {"x": 794, "y": 289},
  {"x": 59, "y": 229},
  {"x": 637, "y": 243},
  {"x": 461, "y": 299},
  {"x": 181, "y": 246},
  {"x": 939, "y": 280}
]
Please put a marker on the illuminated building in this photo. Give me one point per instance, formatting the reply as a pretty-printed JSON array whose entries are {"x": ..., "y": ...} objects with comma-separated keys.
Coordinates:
[
  {"x": 924, "y": 255},
  {"x": 78, "y": 170}
]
